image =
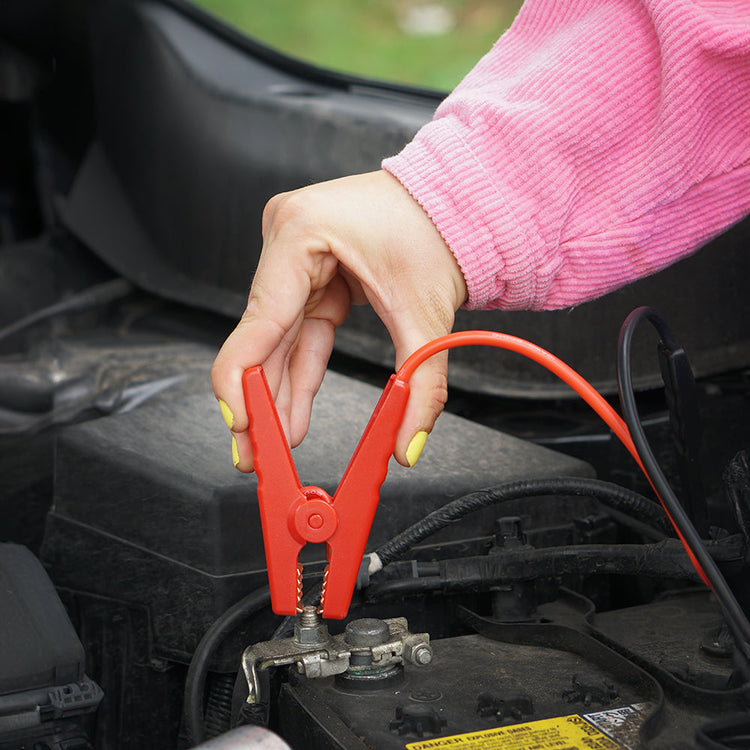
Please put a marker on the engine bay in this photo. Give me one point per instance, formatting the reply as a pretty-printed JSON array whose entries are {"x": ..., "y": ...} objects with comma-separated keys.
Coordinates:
[{"x": 541, "y": 593}]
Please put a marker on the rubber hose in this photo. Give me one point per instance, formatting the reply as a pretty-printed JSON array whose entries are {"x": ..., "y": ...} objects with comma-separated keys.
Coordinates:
[{"x": 195, "y": 681}]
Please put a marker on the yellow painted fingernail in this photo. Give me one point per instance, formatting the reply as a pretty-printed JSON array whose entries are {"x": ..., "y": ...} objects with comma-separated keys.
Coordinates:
[
  {"x": 235, "y": 452},
  {"x": 414, "y": 451},
  {"x": 226, "y": 412}
]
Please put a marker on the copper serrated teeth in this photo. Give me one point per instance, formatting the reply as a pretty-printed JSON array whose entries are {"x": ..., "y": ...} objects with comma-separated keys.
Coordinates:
[
  {"x": 299, "y": 588},
  {"x": 323, "y": 591}
]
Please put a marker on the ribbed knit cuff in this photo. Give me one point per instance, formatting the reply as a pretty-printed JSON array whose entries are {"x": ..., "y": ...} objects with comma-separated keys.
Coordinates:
[{"x": 446, "y": 179}]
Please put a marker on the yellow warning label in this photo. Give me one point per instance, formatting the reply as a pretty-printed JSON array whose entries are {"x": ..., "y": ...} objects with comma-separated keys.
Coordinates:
[{"x": 562, "y": 733}]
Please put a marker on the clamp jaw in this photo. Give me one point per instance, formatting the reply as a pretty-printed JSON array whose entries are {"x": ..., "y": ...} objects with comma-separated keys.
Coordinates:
[{"x": 292, "y": 515}]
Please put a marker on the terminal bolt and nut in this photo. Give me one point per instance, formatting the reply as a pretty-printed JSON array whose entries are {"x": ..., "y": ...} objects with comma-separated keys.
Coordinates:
[
  {"x": 315, "y": 653},
  {"x": 419, "y": 654}
]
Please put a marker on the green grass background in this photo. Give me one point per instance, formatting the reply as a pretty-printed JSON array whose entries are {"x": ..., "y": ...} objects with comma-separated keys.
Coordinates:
[{"x": 364, "y": 37}]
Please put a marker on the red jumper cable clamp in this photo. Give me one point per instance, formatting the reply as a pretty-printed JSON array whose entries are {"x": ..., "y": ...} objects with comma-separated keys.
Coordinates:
[{"x": 292, "y": 515}]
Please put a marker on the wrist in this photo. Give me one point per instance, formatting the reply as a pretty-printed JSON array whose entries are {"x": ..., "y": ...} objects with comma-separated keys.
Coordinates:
[{"x": 442, "y": 259}]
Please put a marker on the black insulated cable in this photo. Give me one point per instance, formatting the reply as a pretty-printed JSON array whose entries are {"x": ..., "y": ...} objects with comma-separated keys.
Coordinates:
[
  {"x": 735, "y": 616},
  {"x": 663, "y": 560},
  {"x": 726, "y": 733},
  {"x": 619, "y": 498},
  {"x": 195, "y": 682}
]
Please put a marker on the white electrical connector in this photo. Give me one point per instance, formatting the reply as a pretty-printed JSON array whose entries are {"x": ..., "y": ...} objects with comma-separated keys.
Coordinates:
[{"x": 375, "y": 563}]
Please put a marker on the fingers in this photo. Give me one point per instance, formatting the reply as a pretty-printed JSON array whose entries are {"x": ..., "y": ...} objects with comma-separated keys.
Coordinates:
[
  {"x": 364, "y": 239},
  {"x": 307, "y": 368},
  {"x": 296, "y": 301},
  {"x": 242, "y": 452},
  {"x": 429, "y": 383},
  {"x": 234, "y": 358},
  {"x": 264, "y": 335},
  {"x": 294, "y": 266},
  {"x": 429, "y": 392}
]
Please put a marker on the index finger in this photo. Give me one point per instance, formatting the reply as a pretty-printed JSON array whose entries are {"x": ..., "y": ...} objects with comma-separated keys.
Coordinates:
[{"x": 264, "y": 336}]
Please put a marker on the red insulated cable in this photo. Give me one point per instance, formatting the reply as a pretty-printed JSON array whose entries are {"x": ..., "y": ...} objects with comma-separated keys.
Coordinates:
[{"x": 563, "y": 371}]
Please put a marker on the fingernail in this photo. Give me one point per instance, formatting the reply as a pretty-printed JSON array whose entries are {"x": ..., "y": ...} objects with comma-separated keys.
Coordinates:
[
  {"x": 226, "y": 412},
  {"x": 235, "y": 452},
  {"x": 414, "y": 451}
]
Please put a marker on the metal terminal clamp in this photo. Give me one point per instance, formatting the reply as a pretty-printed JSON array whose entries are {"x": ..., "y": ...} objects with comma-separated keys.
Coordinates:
[{"x": 315, "y": 653}]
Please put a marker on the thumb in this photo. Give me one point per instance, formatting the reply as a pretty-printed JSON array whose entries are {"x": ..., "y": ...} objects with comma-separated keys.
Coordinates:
[
  {"x": 414, "y": 327},
  {"x": 428, "y": 395}
]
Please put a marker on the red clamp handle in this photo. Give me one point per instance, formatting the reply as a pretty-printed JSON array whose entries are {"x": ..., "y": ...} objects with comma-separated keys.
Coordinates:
[{"x": 292, "y": 515}]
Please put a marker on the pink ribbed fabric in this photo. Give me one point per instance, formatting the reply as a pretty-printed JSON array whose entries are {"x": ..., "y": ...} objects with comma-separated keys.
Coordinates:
[{"x": 596, "y": 143}]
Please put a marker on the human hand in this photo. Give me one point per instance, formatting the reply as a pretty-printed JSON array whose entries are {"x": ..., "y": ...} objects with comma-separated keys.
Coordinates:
[{"x": 355, "y": 240}]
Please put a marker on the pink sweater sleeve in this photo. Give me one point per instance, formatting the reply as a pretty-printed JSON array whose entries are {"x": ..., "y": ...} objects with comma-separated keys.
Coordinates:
[{"x": 596, "y": 143}]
